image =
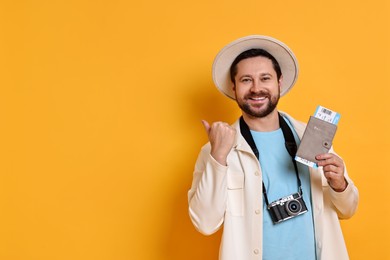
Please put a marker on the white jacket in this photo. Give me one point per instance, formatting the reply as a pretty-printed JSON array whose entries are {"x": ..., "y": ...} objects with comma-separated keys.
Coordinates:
[{"x": 232, "y": 195}]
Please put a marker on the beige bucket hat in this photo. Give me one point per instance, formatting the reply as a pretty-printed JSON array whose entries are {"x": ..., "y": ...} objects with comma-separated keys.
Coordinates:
[{"x": 282, "y": 53}]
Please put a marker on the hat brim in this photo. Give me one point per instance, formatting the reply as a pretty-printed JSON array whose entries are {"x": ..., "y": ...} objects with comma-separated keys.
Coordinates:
[{"x": 282, "y": 53}]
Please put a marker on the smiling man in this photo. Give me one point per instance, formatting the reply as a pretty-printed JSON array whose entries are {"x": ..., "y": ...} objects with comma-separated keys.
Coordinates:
[{"x": 246, "y": 178}]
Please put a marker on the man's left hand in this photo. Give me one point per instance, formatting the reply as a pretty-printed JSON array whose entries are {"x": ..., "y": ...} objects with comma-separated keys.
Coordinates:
[{"x": 333, "y": 167}]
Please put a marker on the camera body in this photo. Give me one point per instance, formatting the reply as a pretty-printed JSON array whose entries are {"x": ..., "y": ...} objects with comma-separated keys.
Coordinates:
[{"x": 287, "y": 207}]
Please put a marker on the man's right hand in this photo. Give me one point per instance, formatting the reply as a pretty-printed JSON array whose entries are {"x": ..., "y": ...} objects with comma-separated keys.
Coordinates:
[{"x": 221, "y": 136}]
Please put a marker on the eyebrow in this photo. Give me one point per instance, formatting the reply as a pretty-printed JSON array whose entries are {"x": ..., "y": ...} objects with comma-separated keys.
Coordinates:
[{"x": 262, "y": 74}]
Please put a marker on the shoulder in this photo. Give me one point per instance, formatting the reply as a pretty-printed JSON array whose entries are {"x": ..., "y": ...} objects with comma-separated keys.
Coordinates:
[{"x": 298, "y": 126}]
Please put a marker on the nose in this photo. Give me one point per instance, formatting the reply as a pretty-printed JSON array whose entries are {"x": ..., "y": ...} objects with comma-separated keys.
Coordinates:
[{"x": 256, "y": 86}]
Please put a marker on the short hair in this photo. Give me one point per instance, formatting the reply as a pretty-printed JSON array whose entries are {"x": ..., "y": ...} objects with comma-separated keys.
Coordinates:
[{"x": 250, "y": 54}]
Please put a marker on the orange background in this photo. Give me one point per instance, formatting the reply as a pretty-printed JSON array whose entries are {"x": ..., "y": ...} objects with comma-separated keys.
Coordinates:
[{"x": 101, "y": 105}]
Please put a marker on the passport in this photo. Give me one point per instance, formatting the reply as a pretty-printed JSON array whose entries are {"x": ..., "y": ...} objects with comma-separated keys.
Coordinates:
[{"x": 317, "y": 139}]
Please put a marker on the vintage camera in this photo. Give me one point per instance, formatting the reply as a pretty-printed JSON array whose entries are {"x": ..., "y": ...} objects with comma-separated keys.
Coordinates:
[{"x": 287, "y": 207}]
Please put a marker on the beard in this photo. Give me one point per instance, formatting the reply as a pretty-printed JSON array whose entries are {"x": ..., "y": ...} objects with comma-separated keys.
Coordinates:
[{"x": 256, "y": 111}]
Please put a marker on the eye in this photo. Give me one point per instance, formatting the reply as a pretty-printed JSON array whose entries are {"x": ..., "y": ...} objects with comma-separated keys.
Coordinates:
[
  {"x": 246, "y": 80},
  {"x": 266, "y": 78}
]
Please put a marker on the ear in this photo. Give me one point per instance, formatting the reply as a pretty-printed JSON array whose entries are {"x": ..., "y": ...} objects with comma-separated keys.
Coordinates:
[{"x": 280, "y": 83}]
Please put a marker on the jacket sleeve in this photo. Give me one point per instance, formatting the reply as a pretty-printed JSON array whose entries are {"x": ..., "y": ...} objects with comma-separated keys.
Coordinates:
[{"x": 207, "y": 197}]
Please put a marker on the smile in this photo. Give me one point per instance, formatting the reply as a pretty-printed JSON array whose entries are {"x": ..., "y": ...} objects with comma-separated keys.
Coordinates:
[{"x": 257, "y": 98}]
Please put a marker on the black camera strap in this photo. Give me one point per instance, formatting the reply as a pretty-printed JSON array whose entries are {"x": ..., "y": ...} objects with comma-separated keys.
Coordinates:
[{"x": 289, "y": 142}]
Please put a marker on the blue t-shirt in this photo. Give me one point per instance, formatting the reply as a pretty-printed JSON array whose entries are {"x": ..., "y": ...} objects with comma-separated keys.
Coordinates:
[{"x": 291, "y": 239}]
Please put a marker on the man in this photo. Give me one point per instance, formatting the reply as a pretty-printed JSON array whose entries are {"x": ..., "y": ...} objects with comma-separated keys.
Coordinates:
[{"x": 247, "y": 166}]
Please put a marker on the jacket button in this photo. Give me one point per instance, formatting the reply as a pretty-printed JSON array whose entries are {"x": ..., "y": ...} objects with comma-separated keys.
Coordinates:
[
  {"x": 257, "y": 173},
  {"x": 257, "y": 211},
  {"x": 256, "y": 251}
]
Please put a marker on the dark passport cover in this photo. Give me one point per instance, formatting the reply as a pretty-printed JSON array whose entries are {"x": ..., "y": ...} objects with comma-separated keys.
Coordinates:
[{"x": 317, "y": 139}]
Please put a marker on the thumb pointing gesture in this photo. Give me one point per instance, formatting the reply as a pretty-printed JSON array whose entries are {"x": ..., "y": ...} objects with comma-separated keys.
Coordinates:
[
  {"x": 221, "y": 137},
  {"x": 206, "y": 126}
]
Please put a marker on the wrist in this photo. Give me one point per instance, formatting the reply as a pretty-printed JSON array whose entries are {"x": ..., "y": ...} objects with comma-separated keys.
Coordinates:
[
  {"x": 221, "y": 159},
  {"x": 342, "y": 187}
]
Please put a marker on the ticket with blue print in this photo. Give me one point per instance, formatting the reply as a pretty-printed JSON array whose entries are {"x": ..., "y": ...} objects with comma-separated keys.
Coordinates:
[{"x": 327, "y": 115}]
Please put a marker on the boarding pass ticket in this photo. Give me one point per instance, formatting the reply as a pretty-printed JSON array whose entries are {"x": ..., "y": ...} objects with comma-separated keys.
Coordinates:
[{"x": 327, "y": 115}]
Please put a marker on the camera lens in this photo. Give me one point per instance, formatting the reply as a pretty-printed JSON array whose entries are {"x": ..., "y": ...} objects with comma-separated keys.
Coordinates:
[{"x": 293, "y": 207}]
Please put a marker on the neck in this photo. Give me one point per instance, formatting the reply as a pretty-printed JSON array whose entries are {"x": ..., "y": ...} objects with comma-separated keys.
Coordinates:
[{"x": 263, "y": 124}]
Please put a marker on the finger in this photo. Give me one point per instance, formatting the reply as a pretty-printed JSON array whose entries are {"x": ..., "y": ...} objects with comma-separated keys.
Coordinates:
[
  {"x": 324, "y": 156},
  {"x": 336, "y": 181},
  {"x": 328, "y": 175},
  {"x": 330, "y": 162},
  {"x": 329, "y": 159},
  {"x": 206, "y": 126},
  {"x": 333, "y": 176},
  {"x": 332, "y": 168}
]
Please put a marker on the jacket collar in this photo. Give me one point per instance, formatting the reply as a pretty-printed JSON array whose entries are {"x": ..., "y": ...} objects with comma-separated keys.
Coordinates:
[{"x": 242, "y": 145}]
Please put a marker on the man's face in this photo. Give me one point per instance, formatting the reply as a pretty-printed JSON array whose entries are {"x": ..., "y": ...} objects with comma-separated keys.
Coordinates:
[{"x": 257, "y": 88}]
